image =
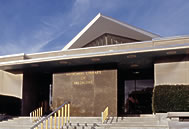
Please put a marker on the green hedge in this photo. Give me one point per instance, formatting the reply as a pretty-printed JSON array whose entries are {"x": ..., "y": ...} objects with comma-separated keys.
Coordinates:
[{"x": 170, "y": 98}]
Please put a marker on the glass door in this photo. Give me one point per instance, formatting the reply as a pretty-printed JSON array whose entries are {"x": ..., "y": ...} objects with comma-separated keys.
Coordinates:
[{"x": 138, "y": 96}]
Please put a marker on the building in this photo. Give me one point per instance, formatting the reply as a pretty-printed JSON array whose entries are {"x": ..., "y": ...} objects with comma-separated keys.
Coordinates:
[{"x": 105, "y": 64}]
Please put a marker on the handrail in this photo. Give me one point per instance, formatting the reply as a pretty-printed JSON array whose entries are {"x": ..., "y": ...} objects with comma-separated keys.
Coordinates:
[
  {"x": 104, "y": 115},
  {"x": 54, "y": 112}
]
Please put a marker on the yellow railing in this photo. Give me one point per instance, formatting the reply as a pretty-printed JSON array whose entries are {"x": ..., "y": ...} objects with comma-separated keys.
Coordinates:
[
  {"x": 61, "y": 117},
  {"x": 36, "y": 114},
  {"x": 105, "y": 115}
]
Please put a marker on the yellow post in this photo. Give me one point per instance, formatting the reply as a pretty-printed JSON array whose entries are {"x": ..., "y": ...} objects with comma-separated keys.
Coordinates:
[
  {"x": 41, "y": 111},
  {"x": 38, "y": 113},
  {"x": 68, "y": 113},
  {"x": 50, "y": 122},
  {"x": 42, "y": 125},
  {"x": 42, "y": 104},
  {"x": 105, "y": 115},
  {"x": 54, "y": 120},
  {"x": 62, "y": 116},
  {"x": 58, "y": 119},
  {"x": 33, "y": 117},
  {"x": 65, "y": 113},
  {"x": 36, "y": 128},
  {"x": 46, "y": 124},
  {"x": 35, "y": 114}
]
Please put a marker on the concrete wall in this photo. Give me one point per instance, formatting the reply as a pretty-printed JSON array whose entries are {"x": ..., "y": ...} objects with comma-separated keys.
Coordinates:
[
  {"x": 11, "y": 84},
  {"x": 89, "y": 92},
  {"x": 172, "y": 73}
]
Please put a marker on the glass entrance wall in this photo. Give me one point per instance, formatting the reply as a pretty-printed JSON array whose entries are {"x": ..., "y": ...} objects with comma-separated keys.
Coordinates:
[{"x": 138, "y": 96}]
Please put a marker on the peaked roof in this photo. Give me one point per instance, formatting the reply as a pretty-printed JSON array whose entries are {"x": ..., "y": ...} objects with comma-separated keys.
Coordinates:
[{"x": 103, "y": 24}]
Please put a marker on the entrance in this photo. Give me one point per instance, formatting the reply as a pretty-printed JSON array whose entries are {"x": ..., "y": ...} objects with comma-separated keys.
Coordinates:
[
  {"x": 36, "y": 88},
  {"x": 135, "y": 88},
  {"x": 138, "y": 96}
]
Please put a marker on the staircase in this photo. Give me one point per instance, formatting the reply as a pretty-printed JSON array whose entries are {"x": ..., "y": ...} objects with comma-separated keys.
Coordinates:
[
  {"x": 16, "y": 123},
  {"x": 145, "y": 122},
  {"x": 151, "y": 122}
]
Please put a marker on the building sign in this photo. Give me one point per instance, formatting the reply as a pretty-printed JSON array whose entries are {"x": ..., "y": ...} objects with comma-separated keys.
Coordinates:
[{"x": 83, "y": 78}]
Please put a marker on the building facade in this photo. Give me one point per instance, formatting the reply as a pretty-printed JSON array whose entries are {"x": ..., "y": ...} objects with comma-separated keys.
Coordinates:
[{"x": 107, "y": 64}]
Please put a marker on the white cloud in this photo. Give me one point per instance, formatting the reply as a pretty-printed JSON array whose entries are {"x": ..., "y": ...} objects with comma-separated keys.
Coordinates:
[
  {"x": 10, "y": 48},
  {"x": 53, "y": 26}
]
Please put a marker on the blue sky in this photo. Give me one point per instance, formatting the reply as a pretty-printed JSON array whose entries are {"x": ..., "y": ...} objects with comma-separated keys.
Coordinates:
[{"x": 30, "y": 26}]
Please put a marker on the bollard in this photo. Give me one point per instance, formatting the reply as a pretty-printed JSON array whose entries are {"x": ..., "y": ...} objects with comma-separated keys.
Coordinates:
[
  {"x": 65, "y": 113},
  {"x": 58, "y": 119},
  {"x": 46, "y": 124},
  {"x": 62, "y": 116},
  {"x": 50, "y": 122},
  {"x": 54, "y": 120}
]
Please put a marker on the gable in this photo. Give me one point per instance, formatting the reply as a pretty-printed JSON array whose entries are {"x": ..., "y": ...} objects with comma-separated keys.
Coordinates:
[
  {"x": 109, "y": 39},
  {"x": 101, "y": 25}
]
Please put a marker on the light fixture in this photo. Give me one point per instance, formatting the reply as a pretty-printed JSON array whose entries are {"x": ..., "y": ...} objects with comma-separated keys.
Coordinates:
[
  {"x": 171, "y": 52},
  {"x": 63, "y": 62},
  {"x": 134, "y": 65},
  {"x": 34, "y": 65},
  {"x": 136, "y": 72},
  {"x": 95, "y": 59},
  {"x": 131, "y": 56}
]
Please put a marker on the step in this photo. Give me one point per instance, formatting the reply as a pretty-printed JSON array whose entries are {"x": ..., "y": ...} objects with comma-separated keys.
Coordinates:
[
  {"x": 93, "y": 122},
  {"x": 119, "y": 119},
  {"x": 178, "y": 125}
]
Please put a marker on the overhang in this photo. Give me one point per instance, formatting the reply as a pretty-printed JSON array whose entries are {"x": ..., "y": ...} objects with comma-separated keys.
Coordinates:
[{"x": 139, "y": 53}]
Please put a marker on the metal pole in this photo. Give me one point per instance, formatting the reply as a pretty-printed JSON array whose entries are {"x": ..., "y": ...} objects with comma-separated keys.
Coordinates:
[
  {"x": 58, "y": 119},
  {"x": 62, "y": 116},
  {"x": 65, "y": 113},
  {"x": 68, "y": 113},
  {"x": 50, "y": 122},
  {"x": 46, "y": 126},
  {"x": 42, "y": 125},
  {"x": 50, "y": 95},
  {"x": 54, "y": 120}
]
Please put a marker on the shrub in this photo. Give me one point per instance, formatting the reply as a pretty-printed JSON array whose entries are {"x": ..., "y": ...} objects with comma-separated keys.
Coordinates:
[{"x": 170, "y": 98}]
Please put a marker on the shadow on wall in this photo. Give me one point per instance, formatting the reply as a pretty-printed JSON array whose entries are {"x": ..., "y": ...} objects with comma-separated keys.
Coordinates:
[{"x": 10, "y": 105}]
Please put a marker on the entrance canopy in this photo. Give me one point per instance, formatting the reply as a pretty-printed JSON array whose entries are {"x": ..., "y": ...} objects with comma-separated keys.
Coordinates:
[{"x": 138, "y": 55}]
